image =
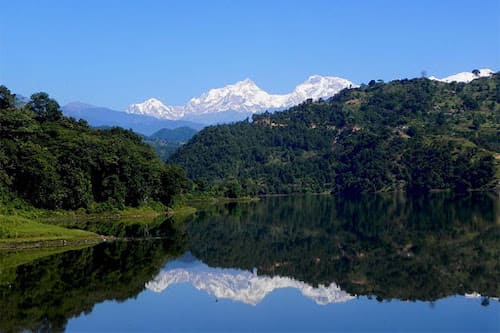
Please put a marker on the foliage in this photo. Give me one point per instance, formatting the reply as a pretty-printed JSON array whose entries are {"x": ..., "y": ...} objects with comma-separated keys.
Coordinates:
[
  {"x": 415, "y": 134},
  {"x": 55, "y": 162},
  {"x": 388, "y": 245}
]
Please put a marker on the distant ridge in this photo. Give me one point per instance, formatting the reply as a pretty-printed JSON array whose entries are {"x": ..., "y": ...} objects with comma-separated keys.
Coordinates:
[
  {"x": 237, "y": 101},
  {"x": 99, "y": 116}
]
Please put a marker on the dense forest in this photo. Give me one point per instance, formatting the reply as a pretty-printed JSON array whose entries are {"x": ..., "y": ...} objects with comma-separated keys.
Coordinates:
[
  {"x": 414, "y": 135},
  {"x": 51, "y": 161}
]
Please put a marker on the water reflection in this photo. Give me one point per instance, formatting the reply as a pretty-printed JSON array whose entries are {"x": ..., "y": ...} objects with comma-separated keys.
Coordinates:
[
  {"x": 239, "y": 285},
  {"x": 129, "y": 227},
  {"x": 326, "y": 248},
  {"x": 45, "y": 293},
  {"x": 392, "y": 247}
]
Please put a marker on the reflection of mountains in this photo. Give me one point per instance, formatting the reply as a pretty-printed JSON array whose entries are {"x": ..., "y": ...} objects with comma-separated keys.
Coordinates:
[
  {"x": 392, "y": 247},
  {"x": 240, "y": 285}
]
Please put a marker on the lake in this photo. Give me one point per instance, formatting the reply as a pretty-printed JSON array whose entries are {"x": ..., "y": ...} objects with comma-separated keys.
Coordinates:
[{"x": 283, "y": 264}]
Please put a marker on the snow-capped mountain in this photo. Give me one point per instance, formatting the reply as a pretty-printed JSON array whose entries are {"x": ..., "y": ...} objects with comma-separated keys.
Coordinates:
[
  {"x": 317, "y": 86},
  {"x": 240, "y": 285},
  {"x": 243, "y": 97},
  {"x": 465, "y": 76},
  {"x": 155, "y": 108}
]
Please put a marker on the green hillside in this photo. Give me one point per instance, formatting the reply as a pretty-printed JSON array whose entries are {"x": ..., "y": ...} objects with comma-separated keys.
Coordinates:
[
  {"x": 166, "y": 141},
  {"x": 413, "y": 135},
  {"x": 54, "y": 162}
]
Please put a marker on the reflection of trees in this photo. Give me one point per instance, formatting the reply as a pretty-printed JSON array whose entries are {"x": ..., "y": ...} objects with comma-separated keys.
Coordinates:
[
  {"x": 391, "y": 246},
  {"x": 123, "y": 227},
  {"x": 49, "y": 291}
]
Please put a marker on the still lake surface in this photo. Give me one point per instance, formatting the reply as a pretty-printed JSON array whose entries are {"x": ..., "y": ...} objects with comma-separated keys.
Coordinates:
[{"x": 287, "y": 264}]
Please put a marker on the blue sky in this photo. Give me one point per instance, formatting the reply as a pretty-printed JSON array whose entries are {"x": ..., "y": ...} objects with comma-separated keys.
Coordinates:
[{"x": 113, "y": 53}]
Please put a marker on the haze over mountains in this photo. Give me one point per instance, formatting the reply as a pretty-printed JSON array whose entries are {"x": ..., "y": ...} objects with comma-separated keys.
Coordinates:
[
  {"x": 101, "y": 117},
  {"x": 233, "y": 102}
]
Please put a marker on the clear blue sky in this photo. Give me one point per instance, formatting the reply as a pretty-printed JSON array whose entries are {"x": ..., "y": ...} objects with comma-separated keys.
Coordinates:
[{"x": 113, "y": 53}]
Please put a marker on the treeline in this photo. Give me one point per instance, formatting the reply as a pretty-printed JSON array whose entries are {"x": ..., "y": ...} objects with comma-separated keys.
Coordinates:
[
  {"x": 53, "y": 162},
  {"x": 413, "y": 135}
]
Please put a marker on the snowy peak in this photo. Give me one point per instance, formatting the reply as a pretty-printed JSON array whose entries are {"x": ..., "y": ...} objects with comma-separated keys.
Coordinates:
[
  {"x": 317, "y": 86},
  {"x": 155, "y": 108},
  {"x": 244, "y": 83},
  {"x": 244, "y": 97},
  {"x": 240, "y": 285},
  {"x": 465, "y": 76}
]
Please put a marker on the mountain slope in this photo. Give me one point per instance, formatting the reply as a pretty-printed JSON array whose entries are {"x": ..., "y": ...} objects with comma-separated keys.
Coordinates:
[
  {"x": 415, "y": 134},
  {"x": 99, "y": 117},
  {"x": 243, "y": 97},
  {"x": 180, "y": 134},
  {"x": 166, "y": 141}
]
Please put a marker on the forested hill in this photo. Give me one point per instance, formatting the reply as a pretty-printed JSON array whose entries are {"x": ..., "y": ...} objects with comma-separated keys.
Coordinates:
[
  {"x": 52, "y": 161},
  {"x": 413, "y": 135}
]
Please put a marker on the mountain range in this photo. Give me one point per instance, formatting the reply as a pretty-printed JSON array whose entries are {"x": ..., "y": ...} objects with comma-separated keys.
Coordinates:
[
  {"x": 102, "y": 117},
  {"x": 239, "y": 285},
  {"x": 242, "y": 98},
  {"x": 221, "y": 105}
]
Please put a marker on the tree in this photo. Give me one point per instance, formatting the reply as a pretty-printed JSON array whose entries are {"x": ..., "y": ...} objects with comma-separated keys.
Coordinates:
[
  {"x": 7, "y": 100},
  {"x": 476, "y": 72},
  {"x": 44, "y": 107}
]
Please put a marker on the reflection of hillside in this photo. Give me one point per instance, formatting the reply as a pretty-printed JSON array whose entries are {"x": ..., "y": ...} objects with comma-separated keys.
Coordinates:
[
  {"x": 240, "y": 285},
  {"x": 392, "y": 247},
  {"x": 49, "y": 291}
]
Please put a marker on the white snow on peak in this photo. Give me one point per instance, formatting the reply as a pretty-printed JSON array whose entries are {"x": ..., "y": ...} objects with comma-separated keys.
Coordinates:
[
  {"x": 465, "y": 76},
  {"x": 317, "y": 86},
  {"x": 244, "y": 96},
  {"x": 240, "y": 285},
  {"x": 155, "y": 108}
]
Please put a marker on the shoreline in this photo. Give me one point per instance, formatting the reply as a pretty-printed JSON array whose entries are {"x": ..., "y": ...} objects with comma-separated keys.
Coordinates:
[{"x": 56, "y": 243}]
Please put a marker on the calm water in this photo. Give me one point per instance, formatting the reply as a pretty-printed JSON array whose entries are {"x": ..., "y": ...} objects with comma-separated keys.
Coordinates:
[{"x": 283, "y": 264}]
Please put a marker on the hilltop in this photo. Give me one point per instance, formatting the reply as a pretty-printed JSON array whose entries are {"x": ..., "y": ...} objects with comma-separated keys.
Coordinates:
[{"x": 413, "y": 135}]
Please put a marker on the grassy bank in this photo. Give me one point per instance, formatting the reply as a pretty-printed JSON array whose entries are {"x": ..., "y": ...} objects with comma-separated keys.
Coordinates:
[
  {"x": 19, "y": 232},
  {"x": 23, "y": 226}
]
